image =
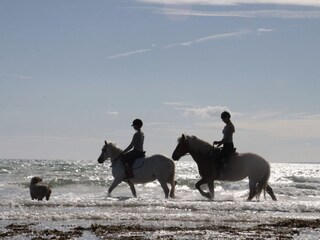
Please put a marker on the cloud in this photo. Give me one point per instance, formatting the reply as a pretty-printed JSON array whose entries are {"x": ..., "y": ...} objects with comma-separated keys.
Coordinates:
[
  {"x": 208, "y": 38},
  {"x": 265, "y": 30},
  {"x": 281, "y": 14},
  {"x": 315, "y": 3},
  {"x": 293, "y": 126},
  {"x": 177, "y": 104},
  {"x": 16, "y": 76},
  {"x": 127, "y": 54},
  {"x": 113, "y": 113},
  {"x": 204, "y": 112},
  {"x": 272, "y": 123},
  {"x": 182, "y": 44}
]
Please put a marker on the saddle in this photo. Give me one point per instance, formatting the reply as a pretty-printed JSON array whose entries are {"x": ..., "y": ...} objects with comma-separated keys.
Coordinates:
[
  {"x": 223, "y": 163},
  {"x": 138, "y": 162},
  {"x": 214, "y": 152}
]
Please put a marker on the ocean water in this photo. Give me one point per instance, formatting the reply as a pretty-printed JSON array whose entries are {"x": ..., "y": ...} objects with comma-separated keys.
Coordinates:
[{"x": 79, "y": 198}]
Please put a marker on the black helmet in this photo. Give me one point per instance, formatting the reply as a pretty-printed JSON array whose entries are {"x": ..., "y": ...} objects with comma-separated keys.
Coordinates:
[
  {"x": 225, "y": 114},
  {"x": 137, "y": 122}
]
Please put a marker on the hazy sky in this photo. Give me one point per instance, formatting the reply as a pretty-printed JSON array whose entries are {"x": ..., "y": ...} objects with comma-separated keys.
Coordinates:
[{"x": 74, "y": 73}]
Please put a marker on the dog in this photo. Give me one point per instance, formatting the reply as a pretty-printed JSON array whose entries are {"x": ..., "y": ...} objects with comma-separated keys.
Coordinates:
[{"x": 39, "y": 190}]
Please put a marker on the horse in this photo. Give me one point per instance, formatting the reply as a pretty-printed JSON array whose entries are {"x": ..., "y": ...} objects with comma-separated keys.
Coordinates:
[
  {"x": 154, "y": 167},
  {"x": 239, "y": 167}
]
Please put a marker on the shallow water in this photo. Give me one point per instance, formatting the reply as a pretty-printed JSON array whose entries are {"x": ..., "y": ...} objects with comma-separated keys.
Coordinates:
[{"x": 79, "y": 198}]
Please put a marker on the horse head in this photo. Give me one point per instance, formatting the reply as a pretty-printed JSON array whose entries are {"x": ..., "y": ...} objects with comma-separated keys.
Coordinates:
[
  {"x": 181, "y": 149},
  {"x": 104, "y": 153}
]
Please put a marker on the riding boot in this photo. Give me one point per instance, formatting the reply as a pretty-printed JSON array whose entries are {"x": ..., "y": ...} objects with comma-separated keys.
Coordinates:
[
  {"x": 222, "y": 167},
  {"x": 129, "y": 171}
]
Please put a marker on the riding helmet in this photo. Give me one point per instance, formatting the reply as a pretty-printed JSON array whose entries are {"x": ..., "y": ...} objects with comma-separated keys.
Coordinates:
[
  {"x": 137, "y": 122},
  {"x": 225, "y": 114}
]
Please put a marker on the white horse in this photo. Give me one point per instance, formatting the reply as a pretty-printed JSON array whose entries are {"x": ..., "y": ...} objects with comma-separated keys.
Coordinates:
[{"x": 154, "y": 167}]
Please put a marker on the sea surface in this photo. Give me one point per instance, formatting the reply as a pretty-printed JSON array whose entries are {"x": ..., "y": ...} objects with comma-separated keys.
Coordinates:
[{"x": 79, "y": 199}]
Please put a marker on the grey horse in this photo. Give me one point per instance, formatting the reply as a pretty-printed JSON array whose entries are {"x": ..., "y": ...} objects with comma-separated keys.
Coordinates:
[{"x": 154, "y": 167}]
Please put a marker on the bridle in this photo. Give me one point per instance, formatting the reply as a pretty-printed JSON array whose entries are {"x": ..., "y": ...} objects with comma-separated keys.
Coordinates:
[{"x": 113, "y": 161}]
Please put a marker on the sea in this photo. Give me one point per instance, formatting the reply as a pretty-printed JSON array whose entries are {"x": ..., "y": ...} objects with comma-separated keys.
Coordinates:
[{"x": 79, "y": 200}]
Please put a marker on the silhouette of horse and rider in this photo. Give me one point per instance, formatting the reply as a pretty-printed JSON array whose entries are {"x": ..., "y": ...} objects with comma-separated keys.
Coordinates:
[{"x": 214, "y": 163}]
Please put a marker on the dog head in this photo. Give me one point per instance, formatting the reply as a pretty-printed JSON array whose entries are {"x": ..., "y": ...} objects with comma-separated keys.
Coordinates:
[{"x": 36, "y": 180}]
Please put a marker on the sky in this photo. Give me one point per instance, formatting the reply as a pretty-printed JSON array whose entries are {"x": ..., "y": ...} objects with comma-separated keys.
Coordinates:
[{"x": 75, "y": 73}]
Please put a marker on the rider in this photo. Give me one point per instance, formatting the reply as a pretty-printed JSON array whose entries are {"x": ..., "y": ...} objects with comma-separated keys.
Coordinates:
[
  {"x": 128, "y": 156},
  {"x": 227, "y": 140}
]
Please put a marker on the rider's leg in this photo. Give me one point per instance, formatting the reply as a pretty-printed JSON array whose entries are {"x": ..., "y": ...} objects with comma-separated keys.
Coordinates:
[{"x": 125, "y": 160}]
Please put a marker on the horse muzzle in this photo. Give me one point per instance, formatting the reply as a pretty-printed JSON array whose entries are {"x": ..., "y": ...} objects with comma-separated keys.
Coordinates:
[
  {"x": 100, "y": 160},
  {"x": 175, "y": 157}
]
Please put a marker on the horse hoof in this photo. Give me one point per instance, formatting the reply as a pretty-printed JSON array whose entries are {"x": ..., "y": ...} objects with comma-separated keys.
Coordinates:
[
  {"x": 109, "y": 195},
  {"x": 209, "y": 196}
]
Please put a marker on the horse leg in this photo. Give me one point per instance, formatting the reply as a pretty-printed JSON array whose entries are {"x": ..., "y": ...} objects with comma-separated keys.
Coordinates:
[
  {"x": 173, "y": 183},
  {"x": 203, "y": 193},
  {"x": 270, "y": 192},
  {"x": 133, "y": 189},
  {"x": 164, "y": 187},
  {"x": 211, "y": 189},
  {"x": 173, "y": 187},
  {"x": 115, "y": 183},
  {"x": 252, "y": 188}
]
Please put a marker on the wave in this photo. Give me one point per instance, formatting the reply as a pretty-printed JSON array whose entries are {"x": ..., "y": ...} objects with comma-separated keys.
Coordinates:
[
  {"x": 156, "y": 209},
  {"x": 68, "y": 176},
  {"x": 304, "y": 179}
]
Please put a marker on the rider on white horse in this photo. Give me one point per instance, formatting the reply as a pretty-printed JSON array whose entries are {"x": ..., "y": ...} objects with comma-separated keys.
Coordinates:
[
  {"x": 128, "y": 157},
  {"x": 227, "y": 141}
]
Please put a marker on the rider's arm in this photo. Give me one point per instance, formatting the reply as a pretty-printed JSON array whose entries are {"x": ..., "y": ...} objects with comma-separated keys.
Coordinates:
[
  {"x": 134, "y": 139},
  {"x": 129, "y": 147},
  {"x": 218, "y": 143}
]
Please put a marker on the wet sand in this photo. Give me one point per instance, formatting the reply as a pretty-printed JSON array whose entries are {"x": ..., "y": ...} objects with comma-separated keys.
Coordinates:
[{"x": 284, "y": 229}]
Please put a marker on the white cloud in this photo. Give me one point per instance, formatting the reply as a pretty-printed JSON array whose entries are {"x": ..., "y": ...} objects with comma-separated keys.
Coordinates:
[
  {"x": 265, "y": 30},
  {"x": 204, "y": 112},
  {"x": 233, "y": 2},
  {"x": 113, "y": 113},
  {"x": 177, "y": 104},
  {"x": 182, "y": 44},
  {"x": 271, "y": 123},
  {"x": 302, "y": 128},
  {"x": 127, "y": 54},
  {"x": 284, "y": 14},
  {"x": 208, "y": 38}
]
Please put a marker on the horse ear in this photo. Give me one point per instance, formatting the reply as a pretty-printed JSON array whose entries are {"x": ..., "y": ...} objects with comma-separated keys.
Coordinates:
[
  {"x": 183, "y": 137},
  {"x": 105, "y": 142}
]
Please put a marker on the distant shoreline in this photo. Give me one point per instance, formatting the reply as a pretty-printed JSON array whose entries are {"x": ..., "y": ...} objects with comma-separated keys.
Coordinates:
[{"x": 95, "y": 161}]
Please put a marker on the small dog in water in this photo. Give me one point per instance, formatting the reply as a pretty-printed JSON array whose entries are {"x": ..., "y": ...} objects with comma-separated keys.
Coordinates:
[{"x": 39, "y": 190}]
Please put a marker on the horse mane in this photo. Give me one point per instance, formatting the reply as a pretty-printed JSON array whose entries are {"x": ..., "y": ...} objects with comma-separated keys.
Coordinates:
[
  {"x": 197, "y": 145},
  {"x": 114, "y": 147}
]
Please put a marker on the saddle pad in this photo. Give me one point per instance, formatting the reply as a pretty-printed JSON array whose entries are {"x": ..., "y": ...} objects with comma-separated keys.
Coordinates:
[{"x": 138, "y": 163}]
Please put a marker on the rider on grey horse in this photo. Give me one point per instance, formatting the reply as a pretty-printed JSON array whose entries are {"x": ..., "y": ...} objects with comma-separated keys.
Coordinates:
[{"x": 128, "y": 157}]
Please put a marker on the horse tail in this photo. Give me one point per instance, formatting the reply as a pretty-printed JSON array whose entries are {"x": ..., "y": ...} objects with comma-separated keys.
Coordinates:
[{"x": 263, "y": 183}]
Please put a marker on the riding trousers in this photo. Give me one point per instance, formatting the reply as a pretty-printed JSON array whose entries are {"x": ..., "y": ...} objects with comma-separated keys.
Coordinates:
[
  {"x": 227, "y": 150},
  {"x": 130, "y": 156}
]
